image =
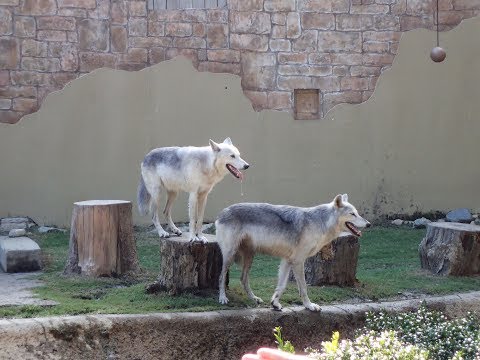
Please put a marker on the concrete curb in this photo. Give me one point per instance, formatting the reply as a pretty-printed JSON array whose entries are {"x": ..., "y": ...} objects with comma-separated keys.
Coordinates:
[{"x": 225, "y": 334}]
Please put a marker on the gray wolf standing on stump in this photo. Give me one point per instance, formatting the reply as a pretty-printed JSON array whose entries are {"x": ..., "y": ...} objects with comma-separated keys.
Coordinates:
[
  {"x": 292, "y": 233},
  {"x": 195, "y": 170}
]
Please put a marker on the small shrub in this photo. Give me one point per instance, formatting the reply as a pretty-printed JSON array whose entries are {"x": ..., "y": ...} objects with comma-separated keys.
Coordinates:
[
  {"x": 370, "y": 345},
  {"x": 282, "y": 344},
  {"x": 432, "y": 331}
]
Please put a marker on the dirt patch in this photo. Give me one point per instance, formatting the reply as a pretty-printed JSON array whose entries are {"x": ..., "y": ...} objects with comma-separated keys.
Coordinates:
[{"x": 16, "y": 289}]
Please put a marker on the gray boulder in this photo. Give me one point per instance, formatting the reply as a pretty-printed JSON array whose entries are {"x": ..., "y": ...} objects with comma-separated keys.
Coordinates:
[
  {"x": 17, "y": 233},
  {"x": 48, "y": 229},
  {"x": 9, "y": 223},
  {"x": 421, "y": 223},
  {"x": 397, "y": 222},
  {"x": 459, "y": 215}
]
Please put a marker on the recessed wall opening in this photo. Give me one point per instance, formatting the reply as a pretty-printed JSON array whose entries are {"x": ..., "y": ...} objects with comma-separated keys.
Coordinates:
[
  {"x": 186, "y": 4},
  {"x": 307, "y": 104}
]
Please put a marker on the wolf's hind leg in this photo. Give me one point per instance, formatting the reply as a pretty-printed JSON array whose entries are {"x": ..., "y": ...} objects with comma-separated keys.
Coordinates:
[
  {"x": 227, "y": 261},
  {"x": 247, "y": 256},
  {"x": 283, "y": 272},
  {"x": 228, "y": 246},
  {"x": 171, "y": 196},
  {"x": 155, "y": 218}
]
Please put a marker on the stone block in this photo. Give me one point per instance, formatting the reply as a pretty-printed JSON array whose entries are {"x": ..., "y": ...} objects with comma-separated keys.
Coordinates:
[
  {"x": 217, "y": 36},
  {"x": 9, "y": 53},
  {"x": 19, "y": 254},
  {"x": 6, "y": 22},
  {"x": 243, "y": 22},
  {"x": 93, "y": 34}
]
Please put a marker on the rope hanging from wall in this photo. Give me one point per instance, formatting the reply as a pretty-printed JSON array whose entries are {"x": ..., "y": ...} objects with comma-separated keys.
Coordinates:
[{"x": 438, "y": 54}]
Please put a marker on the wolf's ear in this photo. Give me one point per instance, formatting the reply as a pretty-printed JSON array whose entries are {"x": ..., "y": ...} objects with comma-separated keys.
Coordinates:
[
  {"x": 215, "y": 147},
  {"x": 228, "y": 141},
  {"x": 338, "y": 201},
  {"x": 345, "y": 197}
]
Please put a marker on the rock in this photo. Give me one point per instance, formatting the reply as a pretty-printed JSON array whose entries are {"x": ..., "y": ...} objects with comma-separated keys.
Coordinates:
[
  {"x": 48, "y": 229},
  {"x": 17, "y": 233},
  {"x": 19, "y": 254},
  {"x": 475, "y": 216},
  {"x": 441, "y": 220},
  {"x": 459, "y": 215},
  {"x": 397, "y": 222},
  {"x": 421, "y": 223},
  {"x": 477, "y": 221},
  {"x": 451, "y": 249},
  {"x": 7, "y": 224},
  {"x": 208, "y": 228}
]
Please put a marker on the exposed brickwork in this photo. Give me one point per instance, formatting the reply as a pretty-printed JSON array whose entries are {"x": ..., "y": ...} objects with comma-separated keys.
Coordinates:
[{"x": 337, "y": 46}]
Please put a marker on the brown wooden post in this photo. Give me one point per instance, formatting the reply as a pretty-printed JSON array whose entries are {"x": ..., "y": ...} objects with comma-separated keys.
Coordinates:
[{"x": 101, "y": 239}]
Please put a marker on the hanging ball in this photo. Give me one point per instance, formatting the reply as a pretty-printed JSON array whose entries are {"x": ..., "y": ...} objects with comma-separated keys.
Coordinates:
[{"x": 438, "y": 54}]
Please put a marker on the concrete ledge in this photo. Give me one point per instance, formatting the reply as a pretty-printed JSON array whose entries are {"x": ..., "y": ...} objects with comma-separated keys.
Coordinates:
[
  {"x": 218, "y": 335},
  {"x": 19, "y": 254}
]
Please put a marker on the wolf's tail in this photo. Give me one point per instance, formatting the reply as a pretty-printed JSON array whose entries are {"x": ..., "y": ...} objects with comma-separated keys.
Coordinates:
[{"x": 143, "y": 198}]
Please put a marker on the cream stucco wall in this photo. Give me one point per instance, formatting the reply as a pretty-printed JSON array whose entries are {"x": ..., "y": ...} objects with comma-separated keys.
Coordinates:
[{"x": 413, "y": 146}]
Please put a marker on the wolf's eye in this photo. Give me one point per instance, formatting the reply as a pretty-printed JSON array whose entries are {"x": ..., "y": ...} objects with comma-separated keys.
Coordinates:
[
  {"x": 353, "y": 214},
  {"x": 232, "y": 156}
]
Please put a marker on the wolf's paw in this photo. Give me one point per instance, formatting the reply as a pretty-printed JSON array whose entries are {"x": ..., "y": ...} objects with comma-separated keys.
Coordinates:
[
  {"x": 222, "y": 299},
  {"x": 276, "y": 305},
  {"x": 257, "y": 300},
  {"x": 163, "y": 234},
  {"x": 313, "y": 307},
  {"x": 202, "y": 238},
  {"x": 174, "y": 230},
  {"x": 197, "y": 238}
]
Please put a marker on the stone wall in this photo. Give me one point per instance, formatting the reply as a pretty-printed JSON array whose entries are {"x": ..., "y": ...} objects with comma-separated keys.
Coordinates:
[{"x": 337, "y": 46}]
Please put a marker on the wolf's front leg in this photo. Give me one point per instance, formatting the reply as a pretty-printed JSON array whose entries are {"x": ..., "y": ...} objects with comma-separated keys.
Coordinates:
[
  {"x": 193, "y": 214},
  {"x": 202, "y": 201},
  {"x": 299, "y": 272}
]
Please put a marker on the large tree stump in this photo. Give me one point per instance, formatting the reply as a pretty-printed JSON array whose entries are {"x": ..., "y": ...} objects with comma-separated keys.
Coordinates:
[
  {"x": 101, "y": 239},
  {"x": 186, "y": 266},
  {"x": 335, "y": 264},
  {"x": 451, "y": 249}
]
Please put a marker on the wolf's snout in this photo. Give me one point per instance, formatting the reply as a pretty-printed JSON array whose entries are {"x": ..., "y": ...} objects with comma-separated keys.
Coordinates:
[
  {"x": 368, "y": 225},
  {"x": 246, "y": 166}
]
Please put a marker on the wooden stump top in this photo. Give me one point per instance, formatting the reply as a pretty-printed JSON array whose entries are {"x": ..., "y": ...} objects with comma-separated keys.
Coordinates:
[
  {"x": 185, "y": 238},
  {"x": 101, "y": 202},
  {"x": 455, "y": 226}
]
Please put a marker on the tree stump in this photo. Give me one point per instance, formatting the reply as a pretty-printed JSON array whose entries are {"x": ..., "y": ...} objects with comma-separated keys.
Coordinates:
[
  {"x": 101, "y": 239},
  {"x": 451, "y": 249},
  {"x": 186, "y": 266},
  {"x": 335, "y": 264}
]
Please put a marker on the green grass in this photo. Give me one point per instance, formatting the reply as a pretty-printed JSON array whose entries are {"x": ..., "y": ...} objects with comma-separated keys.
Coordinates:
[{"x": 388, "y": 266}]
